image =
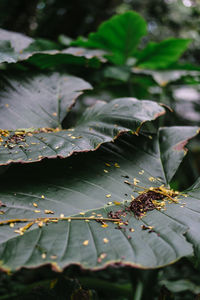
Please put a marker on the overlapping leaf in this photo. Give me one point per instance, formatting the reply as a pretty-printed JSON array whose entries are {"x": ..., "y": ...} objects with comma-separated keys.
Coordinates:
[
  {"x": 33, "y": 109},
  {"x": 92, "y": 185},
  {"x": 15, "y": 47}
]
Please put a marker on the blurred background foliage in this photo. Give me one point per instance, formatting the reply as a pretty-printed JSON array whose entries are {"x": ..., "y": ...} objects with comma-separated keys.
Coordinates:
[{"x": 50, "y": 18}]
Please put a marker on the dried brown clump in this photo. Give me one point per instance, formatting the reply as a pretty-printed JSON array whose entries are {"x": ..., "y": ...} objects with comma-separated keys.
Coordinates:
[{"x": 144, "y": 202}]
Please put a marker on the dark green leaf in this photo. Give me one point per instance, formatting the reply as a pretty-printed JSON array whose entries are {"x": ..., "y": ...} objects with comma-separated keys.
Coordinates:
[
  {"x": 101, "y": 123},
  {"x": 81, "y": 185}
]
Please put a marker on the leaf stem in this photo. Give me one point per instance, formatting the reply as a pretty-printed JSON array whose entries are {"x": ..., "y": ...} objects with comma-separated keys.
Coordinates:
[{"x": 45, "y": 219}]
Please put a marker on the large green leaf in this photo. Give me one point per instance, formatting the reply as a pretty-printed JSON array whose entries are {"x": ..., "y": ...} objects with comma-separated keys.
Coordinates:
[
  {"x": 17, "y": 40},
  {"x": 71, "y": 55},
  {"x": 120, "y": 35},
  {"x": 161, "y": 55},
  {"x": 36, "y": 104},
  {"x": 81, "y": 185},
  {"x": 15, "y": 47},
  {"x": 38, "y": 100}
]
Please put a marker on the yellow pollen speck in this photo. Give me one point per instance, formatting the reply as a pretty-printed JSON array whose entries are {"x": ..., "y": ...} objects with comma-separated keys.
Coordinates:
[
  {"x": 48, "y": 211},
  {"x": 82, "y": 213},
  {"x": 116, "y": 165},
  {"x": 117, "y": 202},
  {"x": 44, "y": 255},
  {"x": 91, "y": 217},
  {"x": 69, "y": 220},
  {"x": 42, "y": 197},
  {"x": 107, "y": 164},
  {"x": 40, "y": 224},
  {"x": 135, "y": 181},
  {"x": 105, "y": 171},
  {"x": 62, "y": 216},
  {"x": 105, "y": 240},
  {"x": 12, "y": 225},
  {"x": 87, "y": 220},
  {"x": 150, "y": 137},
  {"x": 152, "y": 179},
  {"x": 108, "y": 195},
  {"x": 104, "y": 225},
  {"x": 132, "y": 229},
  {"x": 35, "y": 204},
  {"x": 37, "y": 211},
  {"x": 102, "y": 255},
  {"x": 86, "y": 242}
]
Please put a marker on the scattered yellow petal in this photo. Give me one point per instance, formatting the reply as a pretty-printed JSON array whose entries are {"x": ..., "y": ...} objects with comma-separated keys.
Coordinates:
[
  {"x": 35, "y": 204},
  {"x": 132, "y": 229},
  {"x": 44, "y": 255},
  {"x": 62, "y": 216},
  {"x": 86, "y": 242},
  {"x": 37, "y": 211},
  {"x": 117, "y": 203},
  {"x": 42, "y": 197},
  {"x": 150, "y": 137},
  {"x": 141, "y": 172},
  {"x": 48, "y": 211},
  {"x": 132, "y": 197},
  {"x": 82, "y": 213},
  {"x": 108, "y": 195},
  {"x": 12, "y": 225},
  {"x": 104, "y": 225},
  {"x": 105, "y": 240},
  {"x": 40, "y": 224},
  {"x": 53, "y": 256},
  {"x": 107, "y": 164},
  {"x": 105, "y": 171},
  {"x": 87, "y": 220},
  {"x": 109, "y": 203},
  {"x": 19, "y": 231},
  {"x": 152, "y": 179},
  {"x": 135, "y": 181},
  {"x": 69, "y": 220},
  {"x": 116, "y": 165}
]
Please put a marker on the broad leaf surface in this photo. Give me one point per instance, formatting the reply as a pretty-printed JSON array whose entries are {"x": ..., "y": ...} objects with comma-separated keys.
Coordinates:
[
  {"x": 119, "y": 35},
  {"x": 80, "y": 184},
  {"x": 15, "y": 47},
  {"x": 17, "y": 40},
  {"x": 101, "y": 123},
  {"x": 161, "y": 55},
  {"x": 38, "y": 100}
]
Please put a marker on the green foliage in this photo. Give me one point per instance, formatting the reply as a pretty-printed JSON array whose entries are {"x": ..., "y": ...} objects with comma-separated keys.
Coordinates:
[{"x": 108, "y": 201}]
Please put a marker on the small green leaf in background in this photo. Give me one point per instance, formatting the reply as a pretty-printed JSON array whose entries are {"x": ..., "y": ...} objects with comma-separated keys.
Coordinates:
[
  {"x": 119, "y": 35},
  {"x": 161, "y": 55}
]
